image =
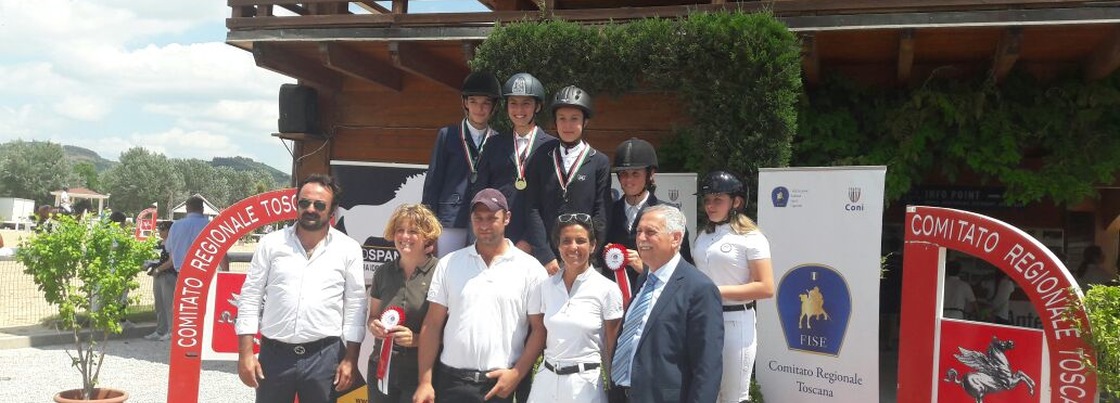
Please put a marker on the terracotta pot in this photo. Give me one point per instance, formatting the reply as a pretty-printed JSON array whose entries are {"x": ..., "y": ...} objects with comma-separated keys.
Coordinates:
[{"x": 100, "y": 395}]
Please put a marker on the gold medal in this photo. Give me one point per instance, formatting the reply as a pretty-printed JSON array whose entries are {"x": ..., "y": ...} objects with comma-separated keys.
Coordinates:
[{"x": 520, "y": 184}]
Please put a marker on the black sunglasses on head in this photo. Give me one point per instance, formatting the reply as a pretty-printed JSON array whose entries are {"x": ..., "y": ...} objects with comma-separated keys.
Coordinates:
[
  {"x": 319, "y": 204},
  {"x": 581, "y": 217}
]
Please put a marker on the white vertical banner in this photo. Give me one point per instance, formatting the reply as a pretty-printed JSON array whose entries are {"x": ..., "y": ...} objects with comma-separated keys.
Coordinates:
[{"x": 819, "y": 335}]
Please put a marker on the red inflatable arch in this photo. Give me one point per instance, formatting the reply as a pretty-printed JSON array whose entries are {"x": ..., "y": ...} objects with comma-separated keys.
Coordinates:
[
  {"x": 198, "y": 272},
  {"x": 1035, "y": 269}
]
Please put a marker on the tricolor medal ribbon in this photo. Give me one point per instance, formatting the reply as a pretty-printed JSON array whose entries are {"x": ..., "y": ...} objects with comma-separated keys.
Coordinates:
[
  {"x": 390, "y": 319},
  {"x": 614, "y": 256}
]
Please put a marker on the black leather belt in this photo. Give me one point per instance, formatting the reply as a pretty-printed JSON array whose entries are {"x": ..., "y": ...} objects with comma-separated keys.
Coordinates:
[
  {"x": 571, "y": 369},
  {"x": 468, "y": 375},
  {"x": 740, "y": 307},
  {"x": 301, "y": 348}
]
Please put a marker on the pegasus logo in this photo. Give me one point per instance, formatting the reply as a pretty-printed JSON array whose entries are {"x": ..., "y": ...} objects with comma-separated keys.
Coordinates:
[{"x": 991, "y": 371}]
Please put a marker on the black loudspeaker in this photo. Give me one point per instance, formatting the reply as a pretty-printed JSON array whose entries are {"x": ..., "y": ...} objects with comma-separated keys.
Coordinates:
[{"x": 299, "y": 111}]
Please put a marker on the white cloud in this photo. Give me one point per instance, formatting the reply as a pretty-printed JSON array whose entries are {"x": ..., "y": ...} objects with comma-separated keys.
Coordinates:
[{"x": 82, "y": 107}]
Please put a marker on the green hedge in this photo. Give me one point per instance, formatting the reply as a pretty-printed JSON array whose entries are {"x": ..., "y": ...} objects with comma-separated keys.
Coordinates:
[{"x": 736, "y": 75}]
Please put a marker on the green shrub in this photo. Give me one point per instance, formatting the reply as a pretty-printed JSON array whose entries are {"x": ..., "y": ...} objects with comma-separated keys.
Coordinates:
[{"x": 85, "y": 269}]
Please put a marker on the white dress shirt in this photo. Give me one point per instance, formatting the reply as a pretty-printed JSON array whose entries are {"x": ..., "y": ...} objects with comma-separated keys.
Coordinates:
[
  {"x": 304, "y": 298},
  {"x": 488, "y": 308},
  {"x": 632, "y": 210},
  {"x": 663, "y": 274}
]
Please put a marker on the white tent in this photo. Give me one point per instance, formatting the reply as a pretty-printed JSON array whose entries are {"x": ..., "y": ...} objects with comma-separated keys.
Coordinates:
[{"x": 180, "y": 210}]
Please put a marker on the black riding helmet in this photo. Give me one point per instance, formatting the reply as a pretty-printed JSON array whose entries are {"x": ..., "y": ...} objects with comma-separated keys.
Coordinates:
[
  {"x": 482, "y": 83},
  {"x": 524, "y": 85},
  {"x": 716, "y": 182},
  {"x": 575, "y": 97},
  {"x": 634, "y": 153}
]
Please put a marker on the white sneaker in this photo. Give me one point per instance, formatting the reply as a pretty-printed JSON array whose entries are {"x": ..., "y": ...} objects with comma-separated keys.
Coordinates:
[
  {"x": 153, "y": 337},
  {"x": 165, "y": 337}
]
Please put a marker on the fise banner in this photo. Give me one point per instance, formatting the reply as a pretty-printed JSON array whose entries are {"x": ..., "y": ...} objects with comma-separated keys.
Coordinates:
[{"x": 818, "y": 336}]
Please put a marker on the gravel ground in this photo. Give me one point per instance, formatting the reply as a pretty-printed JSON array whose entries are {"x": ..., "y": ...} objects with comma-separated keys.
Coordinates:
[{"x": 34, "y": 375}]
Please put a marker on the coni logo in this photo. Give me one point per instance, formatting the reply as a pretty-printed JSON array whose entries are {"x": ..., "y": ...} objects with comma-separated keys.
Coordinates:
[{"x": 854, "y": 194}]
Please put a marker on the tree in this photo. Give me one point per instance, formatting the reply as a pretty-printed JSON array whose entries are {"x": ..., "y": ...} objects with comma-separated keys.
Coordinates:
[
  {"x": 143, "y": 178},
  {"x": 202, "y": 178},
  {"x": 247, "y": 183},
  {"x": 31, "y": 170},
  {"x": 86, "y": 175}
]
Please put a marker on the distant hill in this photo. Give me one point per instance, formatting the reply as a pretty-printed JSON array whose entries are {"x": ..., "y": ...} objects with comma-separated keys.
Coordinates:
[
  {"x": 247, "y": 164},
  {"x": 78, "y": 154}
]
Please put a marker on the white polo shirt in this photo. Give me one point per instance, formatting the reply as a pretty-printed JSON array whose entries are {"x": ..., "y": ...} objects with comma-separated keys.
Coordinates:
[
  {"x": 575, "y": 320},
  {"x": 487, "y": 307},
  {"x": 723, "y": 255}
]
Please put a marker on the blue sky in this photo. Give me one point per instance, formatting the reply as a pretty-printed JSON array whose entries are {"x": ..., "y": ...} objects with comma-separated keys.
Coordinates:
[{"x": 110, "y": 75}]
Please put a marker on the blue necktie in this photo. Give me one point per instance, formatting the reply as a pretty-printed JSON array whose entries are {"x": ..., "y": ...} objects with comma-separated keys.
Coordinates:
[{"x": 624, "y": 354}]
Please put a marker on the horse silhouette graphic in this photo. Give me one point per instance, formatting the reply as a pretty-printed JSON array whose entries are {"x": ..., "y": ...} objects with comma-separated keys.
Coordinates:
[
  {"x": 366, "y": 220},
  {"x": 812, "y": 307},
  {"x": 991, "y": 371}
]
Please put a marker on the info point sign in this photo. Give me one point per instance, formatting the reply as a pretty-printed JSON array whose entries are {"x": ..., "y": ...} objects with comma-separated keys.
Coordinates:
[
  {"x": 989, "y": 363},
  {"x": 198, "y": 271}
]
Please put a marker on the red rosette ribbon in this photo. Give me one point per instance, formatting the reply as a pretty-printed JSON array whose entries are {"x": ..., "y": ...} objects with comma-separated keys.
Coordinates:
[
  {"x": 614, "y": 256},
  {"x": 390, "y": 319}
]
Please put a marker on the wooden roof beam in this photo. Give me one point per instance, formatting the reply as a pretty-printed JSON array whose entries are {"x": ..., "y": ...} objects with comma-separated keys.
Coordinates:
[
  {"x": 296, "y": 8},
  {"x": 272, "y": 57},
  {"x": 410, "y": 57},
  {"x": 400, "y": 6},
  {"x": 1105, "y": 59},
  {"x": 373, "y": 8},
  {"x": 348, "y": 61},
  {"x": 1007, "y": 53},
  {"x": 905, "y": 55},
  {"x": 810, "y": 62}
]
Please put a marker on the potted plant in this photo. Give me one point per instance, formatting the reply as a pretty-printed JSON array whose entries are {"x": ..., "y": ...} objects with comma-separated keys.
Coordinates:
[{"x": 85, "y": 269}]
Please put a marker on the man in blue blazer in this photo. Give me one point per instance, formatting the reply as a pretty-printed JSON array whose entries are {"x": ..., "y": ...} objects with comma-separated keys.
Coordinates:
[{"x": 670, "y": 346}]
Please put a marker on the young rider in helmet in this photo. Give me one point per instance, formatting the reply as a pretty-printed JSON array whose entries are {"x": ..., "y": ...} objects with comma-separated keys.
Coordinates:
[
  {"x": 504, "y": 163},
  {"x": 635, "y": 164},
  {"x": 736, "y": 256},
  {"x": 454, "y": 162},
  {"x": 570, "y": 178}
]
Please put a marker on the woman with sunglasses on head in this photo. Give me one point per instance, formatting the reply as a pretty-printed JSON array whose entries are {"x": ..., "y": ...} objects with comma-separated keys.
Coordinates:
[
  {"x": 572, "y": 177},
  {"x": 582, "y": 313},
  {"x": 401, "y": 284},
  {"x": 736, "y": 256}
]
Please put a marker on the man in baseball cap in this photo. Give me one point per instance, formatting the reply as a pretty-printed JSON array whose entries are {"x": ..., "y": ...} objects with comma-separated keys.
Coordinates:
[{"x": 485, "y": 311}]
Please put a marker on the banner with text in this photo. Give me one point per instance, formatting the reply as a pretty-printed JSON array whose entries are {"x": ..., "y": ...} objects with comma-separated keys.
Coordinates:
[{"x": 818, "y": 337}]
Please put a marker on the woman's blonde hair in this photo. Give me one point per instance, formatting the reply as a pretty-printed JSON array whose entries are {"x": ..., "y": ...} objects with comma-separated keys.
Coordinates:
[{"x": 420, "y": 216}]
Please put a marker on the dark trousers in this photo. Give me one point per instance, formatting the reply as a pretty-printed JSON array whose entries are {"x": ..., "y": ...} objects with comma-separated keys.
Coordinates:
[
  {"x": 457, "y": 389},
  {"x": 618, "y": 394},
  {"x": 401, "y": 385},
  {"x": 288, "y": 373}
]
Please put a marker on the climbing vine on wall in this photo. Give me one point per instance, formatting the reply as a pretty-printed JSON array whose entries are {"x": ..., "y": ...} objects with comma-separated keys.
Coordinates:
[
  {"x": 1052, "y": 141},
  {"x": 736, "y": 75}
]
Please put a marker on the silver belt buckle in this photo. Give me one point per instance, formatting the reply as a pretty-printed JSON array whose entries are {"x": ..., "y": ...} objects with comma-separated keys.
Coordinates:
[
  {"x": 299, "y": 350},
  {"x": 479, "y": 376}
]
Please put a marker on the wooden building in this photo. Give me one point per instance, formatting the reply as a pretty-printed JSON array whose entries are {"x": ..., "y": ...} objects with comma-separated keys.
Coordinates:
[{"x": 386, "y": 79}]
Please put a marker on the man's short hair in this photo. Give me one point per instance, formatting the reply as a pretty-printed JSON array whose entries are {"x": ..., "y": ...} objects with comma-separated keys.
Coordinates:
[
  {"x": 674, "y": 219},
  {"x": 326, "y": 181},
  {"x": 164, "y": 225},
  {"x": 194, "y": 203}
]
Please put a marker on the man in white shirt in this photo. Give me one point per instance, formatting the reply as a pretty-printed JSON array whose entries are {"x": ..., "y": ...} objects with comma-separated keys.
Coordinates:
[
  {"x": 309, "y": 279},
  {"x": 485, "y": 306},
  {"x": 959, "y": 299}
]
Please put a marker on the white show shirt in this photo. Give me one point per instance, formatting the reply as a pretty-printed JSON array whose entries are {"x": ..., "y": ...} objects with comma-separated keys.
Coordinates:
[
  {"x": 632, "y": 210},
  {"x": 724, "y": 255},
  {"x": 575, "y": 320},
  {"x": 958, "y": 294},
  {"x": 305, "y": 298},
  {"x": 568, "y": 156},
  {"x": 487, "y": 307},
  {"x": 476, "y": 134}
]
